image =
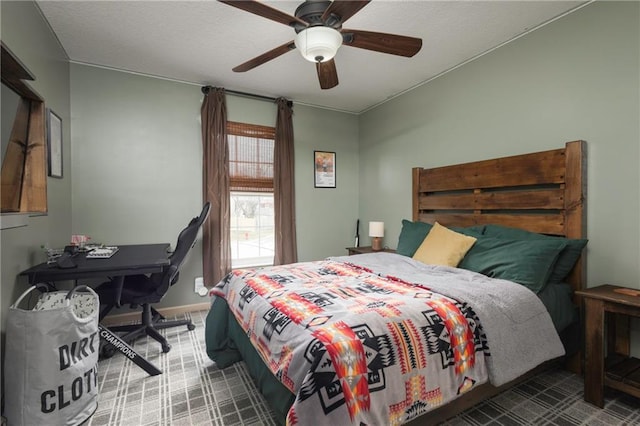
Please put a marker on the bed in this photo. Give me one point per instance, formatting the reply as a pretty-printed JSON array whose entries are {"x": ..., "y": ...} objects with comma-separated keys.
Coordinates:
[{"x": 383, "y": 338}]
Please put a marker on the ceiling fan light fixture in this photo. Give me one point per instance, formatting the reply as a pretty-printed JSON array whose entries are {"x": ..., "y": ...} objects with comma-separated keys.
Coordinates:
[{"x": 318, "y": 44}]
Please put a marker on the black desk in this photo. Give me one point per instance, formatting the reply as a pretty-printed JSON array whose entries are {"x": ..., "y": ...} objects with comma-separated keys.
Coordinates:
[{"x": 128, "y": 260}]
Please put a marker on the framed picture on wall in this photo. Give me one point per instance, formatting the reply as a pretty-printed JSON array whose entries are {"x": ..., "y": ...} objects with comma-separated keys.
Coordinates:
[
  {"x": 54, "y": 144},
  {"x": 324, "y": 169}
]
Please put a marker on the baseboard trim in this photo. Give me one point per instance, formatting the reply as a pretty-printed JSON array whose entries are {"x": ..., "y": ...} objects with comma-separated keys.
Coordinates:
[{"x": 167, "y": 312}]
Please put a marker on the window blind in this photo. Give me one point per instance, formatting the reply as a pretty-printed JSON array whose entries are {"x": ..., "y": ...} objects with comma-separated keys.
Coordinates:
[{"x": 250, "y": 157}]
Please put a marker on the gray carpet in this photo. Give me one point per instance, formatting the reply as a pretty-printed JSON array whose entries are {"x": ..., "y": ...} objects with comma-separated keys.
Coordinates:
[{"x": 193, "y": 391}]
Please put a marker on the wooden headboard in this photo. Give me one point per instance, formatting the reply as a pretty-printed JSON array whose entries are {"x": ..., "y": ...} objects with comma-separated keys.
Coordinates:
[{"x": 541, "y": 192}]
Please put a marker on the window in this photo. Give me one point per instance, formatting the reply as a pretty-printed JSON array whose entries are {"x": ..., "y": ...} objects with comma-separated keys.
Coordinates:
[
  {"x": 251, "y": 185},
  {"x": 252, "y": 236}
]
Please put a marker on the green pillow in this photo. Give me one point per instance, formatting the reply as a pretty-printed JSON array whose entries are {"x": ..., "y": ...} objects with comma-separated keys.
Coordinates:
[
  {"x": 472, "y": 231},
  {"x": 557, "y": 300},
  {"x": 413, "y": 234},
  {"x": 567, "y": 258},
  {"x": 525, "y": 262}
]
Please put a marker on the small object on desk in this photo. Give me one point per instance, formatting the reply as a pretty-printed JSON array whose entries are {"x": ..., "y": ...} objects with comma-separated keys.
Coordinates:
[
  {"x": 52, "y": 254},
  {"x": 102, "y": 252},
  {"x": 71, "y": 249},
  {"x": 79, "y": 240},
  {"x": 627, "y": 291},
  {"x": 65, "y": 261}
]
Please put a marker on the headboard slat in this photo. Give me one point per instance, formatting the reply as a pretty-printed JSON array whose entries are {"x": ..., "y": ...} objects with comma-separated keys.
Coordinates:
[
  {"x": 529, "y": 169},
  {"x": 551, "y": 199},
  {"x": 544, "y": 224}
]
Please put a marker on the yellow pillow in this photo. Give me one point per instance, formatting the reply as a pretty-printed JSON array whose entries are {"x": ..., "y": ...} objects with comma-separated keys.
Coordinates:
[{"x": 442, "y": 246}]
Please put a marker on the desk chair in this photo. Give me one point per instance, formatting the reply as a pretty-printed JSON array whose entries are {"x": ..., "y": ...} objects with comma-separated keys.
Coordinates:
[{"x": 145, "y": 290}]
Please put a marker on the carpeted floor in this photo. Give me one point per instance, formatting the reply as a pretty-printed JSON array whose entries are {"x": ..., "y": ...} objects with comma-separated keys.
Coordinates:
[{"x": 193, "y": 391}]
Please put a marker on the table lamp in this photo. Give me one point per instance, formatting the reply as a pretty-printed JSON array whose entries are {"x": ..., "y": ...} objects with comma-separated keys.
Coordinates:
[{"x": 376, "y": 232}]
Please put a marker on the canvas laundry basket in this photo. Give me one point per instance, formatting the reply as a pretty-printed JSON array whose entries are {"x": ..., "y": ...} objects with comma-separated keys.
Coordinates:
[{"x": 51, "y": 375}]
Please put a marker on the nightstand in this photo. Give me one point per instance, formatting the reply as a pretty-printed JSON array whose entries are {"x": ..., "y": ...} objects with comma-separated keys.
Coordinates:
[
  {"x": 367, "y": 249},
  {"x": 609, "y": 306}
]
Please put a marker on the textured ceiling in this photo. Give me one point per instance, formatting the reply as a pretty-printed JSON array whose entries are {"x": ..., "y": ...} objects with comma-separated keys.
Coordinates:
[{"x": 200, "y": 41}]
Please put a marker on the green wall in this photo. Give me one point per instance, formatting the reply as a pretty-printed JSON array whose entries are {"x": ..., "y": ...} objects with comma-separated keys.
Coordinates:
[
  {"x": 137, "y": 167},
  {"x": 28, "y": 36},
  {"x": 576, "y": 78}
]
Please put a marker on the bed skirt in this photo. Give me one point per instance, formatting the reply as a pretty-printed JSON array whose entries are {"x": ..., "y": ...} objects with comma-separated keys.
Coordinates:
[{"x": 227, "y": 343}]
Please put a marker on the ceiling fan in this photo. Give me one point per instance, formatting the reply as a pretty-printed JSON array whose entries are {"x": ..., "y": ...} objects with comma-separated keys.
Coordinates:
[{"x": 319, "y": 34}]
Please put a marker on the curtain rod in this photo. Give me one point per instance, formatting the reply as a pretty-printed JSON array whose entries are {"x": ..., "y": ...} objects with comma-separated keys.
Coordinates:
[{"x": 206, "y": 89}]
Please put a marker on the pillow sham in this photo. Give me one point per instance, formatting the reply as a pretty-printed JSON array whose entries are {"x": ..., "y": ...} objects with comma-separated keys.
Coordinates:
[
  {"x": 470, "y": 230},
  {"x": 443, "y": 246},
  {"x": 567, "y": 258},
  {"x": 557, "y": 300},
  {"x": 413, "y": 234},
  {"x": 527, "y": 262}
]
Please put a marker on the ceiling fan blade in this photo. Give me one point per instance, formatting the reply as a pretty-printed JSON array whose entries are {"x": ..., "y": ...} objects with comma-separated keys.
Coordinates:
[
  {"x": 345, "y": 9},
  {"x": 327, "y": 74},
  {"x": 380, "y": 42},
  {"x": 265, "y": 11},
  {"x": 265, "y": 57}
]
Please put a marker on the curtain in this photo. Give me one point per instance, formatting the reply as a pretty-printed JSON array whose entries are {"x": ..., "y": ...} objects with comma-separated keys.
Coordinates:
[
  {"x": 286, "y": 250},
  {"x": 216, "y": 244}
]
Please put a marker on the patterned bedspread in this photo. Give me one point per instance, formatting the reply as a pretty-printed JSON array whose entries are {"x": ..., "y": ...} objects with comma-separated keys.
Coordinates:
[{"x": 355, "y": 346}]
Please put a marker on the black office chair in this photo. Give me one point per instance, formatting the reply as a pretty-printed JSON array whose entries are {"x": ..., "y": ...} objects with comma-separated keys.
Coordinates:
[{"x": 144, "y": 290}]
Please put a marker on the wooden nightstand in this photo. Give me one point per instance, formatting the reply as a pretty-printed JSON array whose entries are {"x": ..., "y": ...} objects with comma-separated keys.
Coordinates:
[
  {"x": 606, "y": 305},
  {"x": 367, "y": 249}
]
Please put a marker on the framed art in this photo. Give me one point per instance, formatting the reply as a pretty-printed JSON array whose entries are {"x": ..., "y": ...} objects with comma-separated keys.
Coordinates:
[
  {"x": 324, "y": 169},
  {"x": 54, "y": 144}
]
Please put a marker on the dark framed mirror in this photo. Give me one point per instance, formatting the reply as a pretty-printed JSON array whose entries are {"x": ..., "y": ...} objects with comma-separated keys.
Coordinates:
[{"x": 24, "y": 150}]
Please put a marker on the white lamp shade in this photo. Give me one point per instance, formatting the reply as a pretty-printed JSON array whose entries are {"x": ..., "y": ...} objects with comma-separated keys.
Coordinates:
[
  {"x": 376, "y": 229},
  {"x": 318, "y": 44}
]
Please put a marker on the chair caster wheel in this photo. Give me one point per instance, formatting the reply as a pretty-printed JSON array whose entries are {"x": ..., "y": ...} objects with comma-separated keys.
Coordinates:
[
  {"x": 108, "y": 351},
  {"x": 191, "y": 327},
  {"x": 166, "y": 348}
]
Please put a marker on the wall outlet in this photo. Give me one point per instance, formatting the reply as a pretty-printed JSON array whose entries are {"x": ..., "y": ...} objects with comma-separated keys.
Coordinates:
[{"x": 199, "y": 287}]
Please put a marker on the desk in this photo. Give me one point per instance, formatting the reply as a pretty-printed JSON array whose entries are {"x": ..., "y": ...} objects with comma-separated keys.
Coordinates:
[{"x": 128, "y": 260}]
